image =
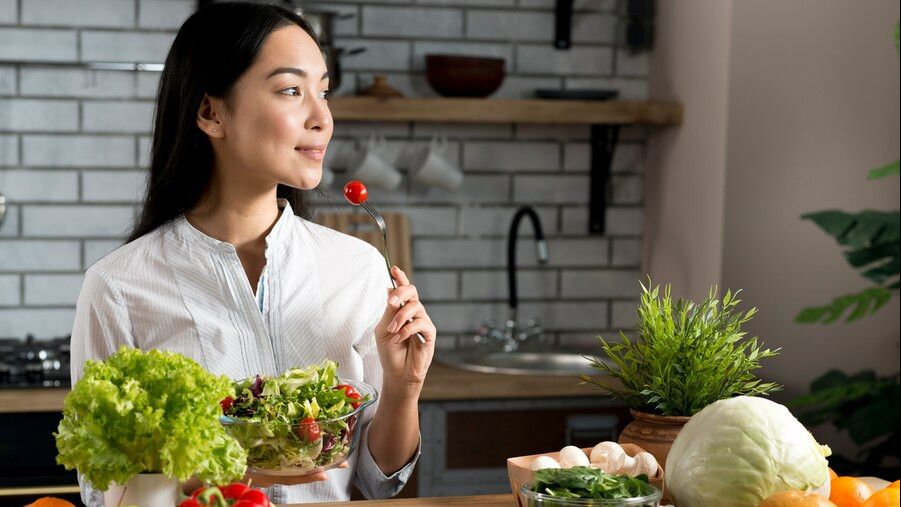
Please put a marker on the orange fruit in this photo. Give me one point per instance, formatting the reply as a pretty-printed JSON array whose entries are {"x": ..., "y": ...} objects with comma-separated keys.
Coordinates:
[
  {"x": 896, "y": 484},
  {"x": 795, "y": 499},
  {"x": 888, "y": 497},
  {"x": 49, "y": 501},
  {"x": 849, "y": 492},
  {"x": 832, "y": 474}
]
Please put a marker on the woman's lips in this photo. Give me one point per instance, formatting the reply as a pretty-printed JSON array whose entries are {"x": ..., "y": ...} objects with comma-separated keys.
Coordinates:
[{"x": 313, "y": 152}]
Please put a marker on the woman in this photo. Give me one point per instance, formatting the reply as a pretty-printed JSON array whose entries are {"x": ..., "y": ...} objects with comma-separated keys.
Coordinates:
[{"x": 222, "y": 265}]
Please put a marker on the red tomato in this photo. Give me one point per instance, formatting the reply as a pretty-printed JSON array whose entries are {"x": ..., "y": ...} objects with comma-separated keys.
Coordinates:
[
  {"x": 189, "y": 502},
  {"x": 350, "y": 392},
  {"x": 234, "y": 490},
  {"x": 226, "y": 404},
  {"x": 308, "y": 430},
  {"x": 355, "y": 192},
  {"x": 355, "y": 395},
  {"x": 198, "y": 491},
  {"x": 254, "y": 497},
  {"x": 346, "y": 388}
]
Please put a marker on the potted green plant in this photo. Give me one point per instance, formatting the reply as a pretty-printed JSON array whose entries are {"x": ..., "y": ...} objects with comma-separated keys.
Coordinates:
[
  {"x": 138, "y": 422},
  {"x": 685, "y": 357}
]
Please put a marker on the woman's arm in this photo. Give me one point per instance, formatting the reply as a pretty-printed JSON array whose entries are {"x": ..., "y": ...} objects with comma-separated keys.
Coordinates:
[{"x": 394, "y": 430}]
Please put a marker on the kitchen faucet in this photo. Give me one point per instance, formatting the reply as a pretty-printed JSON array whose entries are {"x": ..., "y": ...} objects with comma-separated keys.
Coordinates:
[{"x": 511, "y": 336}]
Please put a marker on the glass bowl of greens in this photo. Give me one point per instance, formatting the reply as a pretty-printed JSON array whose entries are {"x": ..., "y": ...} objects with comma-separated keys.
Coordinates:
[
  {"x": 587, "y": 487},
  {"x": 300, "y": 422}
]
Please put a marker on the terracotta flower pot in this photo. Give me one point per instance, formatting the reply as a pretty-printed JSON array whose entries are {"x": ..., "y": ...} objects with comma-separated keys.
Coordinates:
[{"x": 655, "y": 433}]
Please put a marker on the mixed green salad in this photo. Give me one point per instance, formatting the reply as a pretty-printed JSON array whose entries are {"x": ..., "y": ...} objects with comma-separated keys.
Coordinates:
[
  {"x": 590, "y": 484},
  {"x": 301, "y": 420}
]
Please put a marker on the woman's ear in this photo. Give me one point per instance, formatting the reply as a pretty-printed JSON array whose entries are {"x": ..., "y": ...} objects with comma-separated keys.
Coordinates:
[{"x": 209, "y": 117}]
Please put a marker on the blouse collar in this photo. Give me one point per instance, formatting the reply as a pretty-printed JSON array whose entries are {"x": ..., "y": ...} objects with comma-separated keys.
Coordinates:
[{"x": 277, "y": 236}]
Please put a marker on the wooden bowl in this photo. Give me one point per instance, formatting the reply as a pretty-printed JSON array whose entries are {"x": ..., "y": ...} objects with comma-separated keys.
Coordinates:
[
  {"x": 519, "y": 472},
  {"x": 464, "y": 76}
]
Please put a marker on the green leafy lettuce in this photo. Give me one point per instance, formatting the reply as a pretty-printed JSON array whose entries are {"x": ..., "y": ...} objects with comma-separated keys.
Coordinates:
[
  {"x": 154, "y": 412},
  {"x": 590, "y": 483}
]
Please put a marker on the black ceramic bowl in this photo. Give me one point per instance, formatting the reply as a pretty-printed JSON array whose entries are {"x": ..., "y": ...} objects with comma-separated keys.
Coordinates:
[{"x": 464, "y": 76}]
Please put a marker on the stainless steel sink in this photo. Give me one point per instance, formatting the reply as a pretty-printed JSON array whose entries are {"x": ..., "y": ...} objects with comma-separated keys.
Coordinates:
[{"x": 521, "y": 362}]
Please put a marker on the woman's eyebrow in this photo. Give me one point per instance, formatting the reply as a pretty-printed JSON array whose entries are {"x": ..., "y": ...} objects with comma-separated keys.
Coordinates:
[{"x": 292, "y": 70}]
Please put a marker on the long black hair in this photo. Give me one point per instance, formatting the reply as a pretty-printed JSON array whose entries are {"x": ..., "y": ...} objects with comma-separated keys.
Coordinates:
[{"x": 212, "y": 49}]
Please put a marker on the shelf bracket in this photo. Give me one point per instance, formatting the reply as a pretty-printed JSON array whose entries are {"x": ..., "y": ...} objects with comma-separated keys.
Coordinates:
[{"x": 603, "y": 144}]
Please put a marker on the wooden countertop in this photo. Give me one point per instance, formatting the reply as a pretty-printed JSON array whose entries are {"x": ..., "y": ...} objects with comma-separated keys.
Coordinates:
[
  {"x": 449, "y": 383},
  {"x": 444, "y": 383},
  {"x": 481, "y": 501}
]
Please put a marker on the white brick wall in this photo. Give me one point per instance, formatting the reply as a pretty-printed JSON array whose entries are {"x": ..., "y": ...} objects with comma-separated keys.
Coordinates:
[
  {"x": 43, "y": 45},
  {"x": 10, "y": 288},
  {"x": 88, "y": 13},
  {"x": 113, "y": 186},
  {"x": 412, "y": 22},
  {"x": 118, "y": 117},
  {"x": 78, "y": 151},
  {"x": 580, "y": 61},
  {"x": 26, "y": 255},
  {"x": 75, "y": 143},
  {"x": 164, "y": 14},
  {"x": 7, "y": 80},
  {"x": 8, "y": 11},
  {"x": 57, "y": 82},
  {"x": 9, "y": 150},
  {"x": 41, "y": 323},
  {"x": 47, "y": 290},
  {"x": 124, "y": 47},
  {"x": 511, "y": 157},
  {"x": 31, "y": 115},
  {"x": 10, "y": 226},
  {"x": 77, "y": 221},
  {"x": 37, "y": 185}
]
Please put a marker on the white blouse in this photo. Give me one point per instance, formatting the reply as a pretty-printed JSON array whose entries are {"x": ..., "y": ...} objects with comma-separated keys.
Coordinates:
[{"x": 180, "y": 290}]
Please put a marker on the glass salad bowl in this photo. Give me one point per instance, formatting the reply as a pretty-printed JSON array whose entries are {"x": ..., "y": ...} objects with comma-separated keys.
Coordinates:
[
  {"x": 529, "y": 498},
  {"x": 287, "y": 436}
]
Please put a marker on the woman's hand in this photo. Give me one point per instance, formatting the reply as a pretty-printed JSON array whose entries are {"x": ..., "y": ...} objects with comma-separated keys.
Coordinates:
[{"x": 405, "y": 360}]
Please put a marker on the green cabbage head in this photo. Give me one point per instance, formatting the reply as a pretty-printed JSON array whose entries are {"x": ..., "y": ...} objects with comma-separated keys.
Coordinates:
[{"x": 738, "y": 451}]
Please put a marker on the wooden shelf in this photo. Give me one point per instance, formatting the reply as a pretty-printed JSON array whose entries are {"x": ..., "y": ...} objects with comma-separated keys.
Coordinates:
[
  {"x": 604, "y": 117},
  {"x": 536, "y": 111}
]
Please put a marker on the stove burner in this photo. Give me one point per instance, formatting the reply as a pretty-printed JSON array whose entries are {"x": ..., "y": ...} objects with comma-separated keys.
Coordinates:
[{"x": 34, "y": 363}]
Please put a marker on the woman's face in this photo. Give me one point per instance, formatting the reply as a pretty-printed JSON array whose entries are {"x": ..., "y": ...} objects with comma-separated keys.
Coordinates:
[{"x": 278, "y": 123}]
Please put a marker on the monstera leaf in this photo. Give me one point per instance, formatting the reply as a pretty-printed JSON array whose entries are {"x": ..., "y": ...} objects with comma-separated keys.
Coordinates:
[{"x": 874, "y": 249}]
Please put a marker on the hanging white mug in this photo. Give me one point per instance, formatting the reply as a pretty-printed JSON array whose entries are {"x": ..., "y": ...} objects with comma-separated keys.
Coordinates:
[
  {"x": 433, "y": 168},
  {"x": 369, "y": 166}
]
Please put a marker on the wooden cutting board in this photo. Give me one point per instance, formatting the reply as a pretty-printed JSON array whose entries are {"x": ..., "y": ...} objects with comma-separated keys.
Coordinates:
[{"x": 362, "y": 226}]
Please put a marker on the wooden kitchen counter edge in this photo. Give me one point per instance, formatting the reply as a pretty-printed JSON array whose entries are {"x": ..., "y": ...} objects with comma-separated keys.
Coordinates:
[
  {"x": 445, "y": 383},
  {"x": 505, "y": 500}
]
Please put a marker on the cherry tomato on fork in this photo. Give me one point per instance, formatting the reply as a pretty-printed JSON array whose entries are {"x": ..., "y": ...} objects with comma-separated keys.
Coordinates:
[{"x": 355, "y": 192}]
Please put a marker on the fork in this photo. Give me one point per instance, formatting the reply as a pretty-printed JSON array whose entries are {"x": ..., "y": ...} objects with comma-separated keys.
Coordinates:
[{"x": 380, "y": 222}]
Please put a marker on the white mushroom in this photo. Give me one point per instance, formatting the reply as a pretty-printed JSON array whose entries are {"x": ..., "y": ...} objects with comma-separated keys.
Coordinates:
[
  {"x": 630, "y": 467},
  {"x": 646, "y": 464},
  {"x": 572, "y": 456},
  {"x": 542, "y": 462},
  {"x": 609, "y": 456}
]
